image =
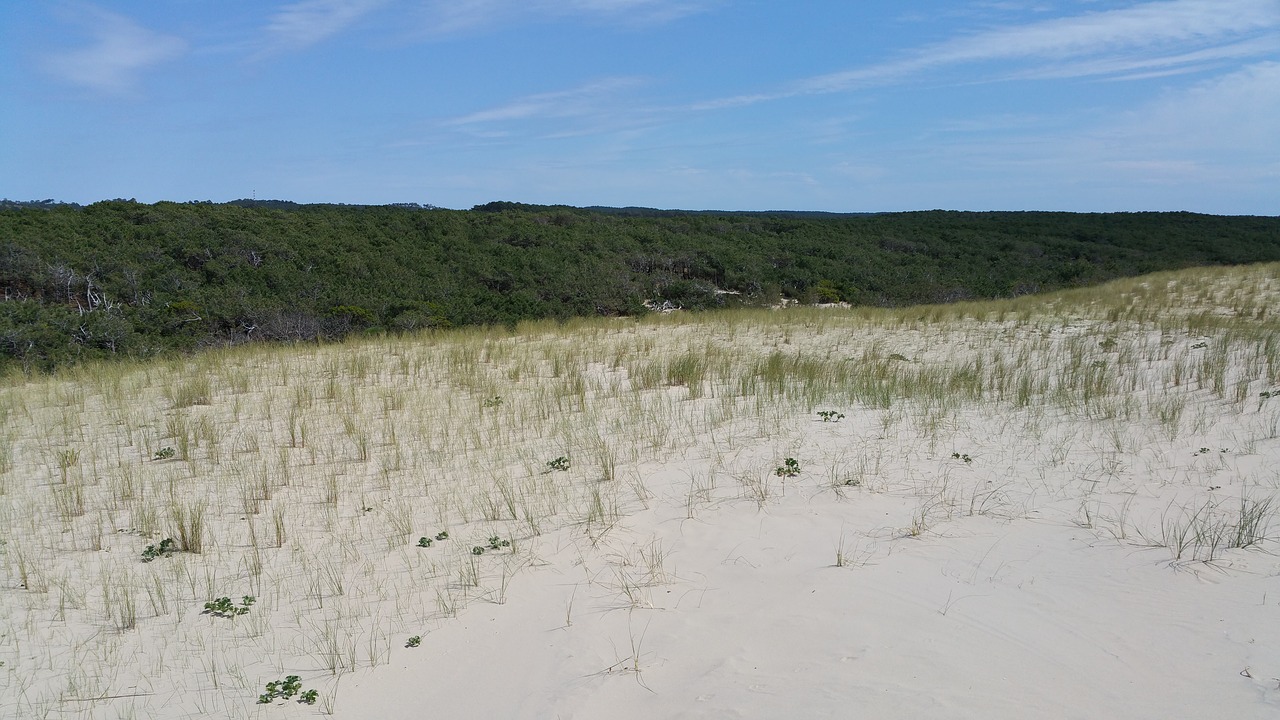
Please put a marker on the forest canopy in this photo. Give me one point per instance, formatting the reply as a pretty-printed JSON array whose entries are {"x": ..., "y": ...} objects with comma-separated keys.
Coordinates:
[{"x": 122, "y": 278}]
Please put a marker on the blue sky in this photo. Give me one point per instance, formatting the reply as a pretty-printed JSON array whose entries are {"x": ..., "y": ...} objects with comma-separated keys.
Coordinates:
[{"x": 860, "y": 105}]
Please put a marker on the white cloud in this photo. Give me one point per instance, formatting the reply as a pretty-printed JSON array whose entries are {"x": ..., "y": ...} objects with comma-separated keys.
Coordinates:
[
  {"x": 1234, "y": 118},
  {"x": 1142, "y": 37},
  {"x": 1153, "y": 24},
  {"x": 445, "y": 17},
  {"x": 636, "y": 10},
  {"x": 118, "y": 53},
  {"x": 1138, "y": 67},
  {"x": 302, "y": 24},
  {"x": 590, "y": 99},
  {"x": 1212, "y": 147}
]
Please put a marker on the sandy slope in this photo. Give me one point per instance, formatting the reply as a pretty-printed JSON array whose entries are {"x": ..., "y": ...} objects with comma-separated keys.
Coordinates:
[
  {"x": 1017, "y": 613},
  {"x": 1026, "y": 510}
]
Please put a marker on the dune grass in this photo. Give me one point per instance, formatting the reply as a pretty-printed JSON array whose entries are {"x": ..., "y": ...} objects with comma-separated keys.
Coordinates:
[{"x": 305, "y": 475}]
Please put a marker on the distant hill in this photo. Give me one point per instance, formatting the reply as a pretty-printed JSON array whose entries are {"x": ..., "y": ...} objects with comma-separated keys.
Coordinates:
[{"x": 125, "y": 278}]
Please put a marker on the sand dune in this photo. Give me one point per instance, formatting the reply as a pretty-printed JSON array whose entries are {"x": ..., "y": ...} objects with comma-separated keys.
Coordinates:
[{"x": 1051, "y": 507}]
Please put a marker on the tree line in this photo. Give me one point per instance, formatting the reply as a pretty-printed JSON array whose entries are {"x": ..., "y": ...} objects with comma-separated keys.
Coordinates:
[{"x": 122, "y": 278}]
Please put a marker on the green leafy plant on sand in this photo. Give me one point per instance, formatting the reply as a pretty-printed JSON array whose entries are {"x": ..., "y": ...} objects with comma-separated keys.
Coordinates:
[
  {"x": 285, "y": 690},
  {"x": 413, "y": 642},
  {"x": 495, "y": 543},
  {"x": 223, "y": 607},
  {"x": 164, "y": 453},
  {"x": 789, "y": 468},
  {"x": 426, "y": 542},
  {"x": 830, "y": 415},
  {"x": 166, "y": 548},
  {"x": 561, "y": 464},
  {"x": 962, "y": 456}
]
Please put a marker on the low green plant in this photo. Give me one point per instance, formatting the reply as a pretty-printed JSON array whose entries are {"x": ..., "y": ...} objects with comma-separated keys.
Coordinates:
[
  {"x": 962, "y": 456},
  {"x": 424, "y": 542},
  {"x": 164, "y": 453},
  {"x": 286, "y": 690},
  {"x": 830, "y": 415},
  {"x": 497, "y": 543},
  {"x": 164, "y": 549},
  {"x": 561, "y": 464},
  {"x": 442, "y": 535},
  {"x": 789, "y": 468},
  {"x": 493, "y": 402},
  {"x": 1266, "y": 395},
  {"x": 477, "y": 550},
  {"x": 413, "y": 642},
  {"x": 223, "y": 607}
]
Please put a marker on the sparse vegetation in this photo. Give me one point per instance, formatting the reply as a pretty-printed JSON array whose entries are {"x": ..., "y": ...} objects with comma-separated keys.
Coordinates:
[
  {"x": 789, "y": 468},
  {"x": 166, "y": 548},
  {"x": 1007, "y": 410},
  {"x": 224, "y": 608},
  {"x": 287, "y": 689},
  {"x": 124, "y": 279}
]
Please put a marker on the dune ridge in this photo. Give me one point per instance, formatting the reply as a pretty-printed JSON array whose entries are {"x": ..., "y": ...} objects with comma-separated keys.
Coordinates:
[{"x": 1054, "y": 506}]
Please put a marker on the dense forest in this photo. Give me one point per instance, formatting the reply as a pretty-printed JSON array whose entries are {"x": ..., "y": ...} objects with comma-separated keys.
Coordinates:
[{"x": 125, "y": 278}]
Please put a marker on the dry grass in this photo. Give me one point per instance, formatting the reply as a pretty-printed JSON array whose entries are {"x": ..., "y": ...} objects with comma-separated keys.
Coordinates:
[{"x": 305, "y": 475}]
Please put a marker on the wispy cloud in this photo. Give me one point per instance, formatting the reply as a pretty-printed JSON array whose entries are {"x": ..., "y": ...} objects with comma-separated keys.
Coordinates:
[
  {"x": 1138, "y": 67},
  {"x": 591, "y": 100},
  {"x": 302, "y": 24},
  {"x": 643, "y": 11},
  {"x": 1143, "y": 37},
  {"x": 1213, "y": 145},
  {"x": 446, "y": 17},
  {"x": 118, "y": 52},
  {"x": 1228, "y": 118},
  {"x": 440, "y": 18}
]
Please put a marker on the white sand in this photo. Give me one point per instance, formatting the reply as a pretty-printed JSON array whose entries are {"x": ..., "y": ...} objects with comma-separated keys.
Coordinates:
[
  {"x": 670, "y": 572},
  {"x": 1019, "y": 614}
]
